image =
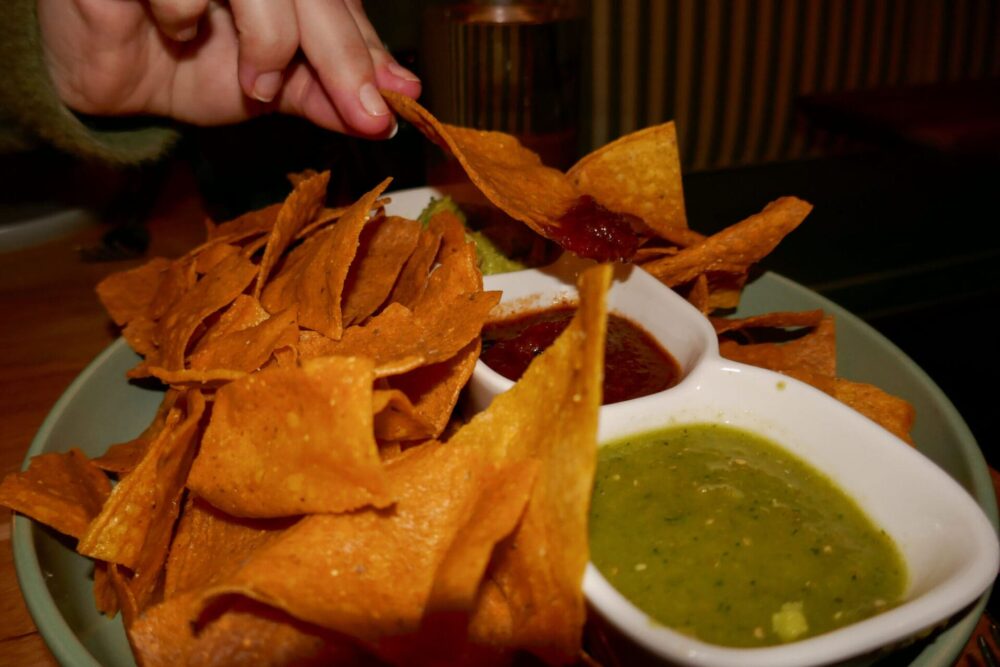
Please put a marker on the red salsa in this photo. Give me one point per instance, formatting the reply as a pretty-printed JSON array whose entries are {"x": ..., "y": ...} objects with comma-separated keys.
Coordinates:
[
  {"x": 635, "y": 364},
  {"x": 590, "y": 230}
]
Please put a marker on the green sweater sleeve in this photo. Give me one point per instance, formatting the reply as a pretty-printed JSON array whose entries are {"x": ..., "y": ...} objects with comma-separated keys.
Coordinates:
[{"x": 32, "y": 114}]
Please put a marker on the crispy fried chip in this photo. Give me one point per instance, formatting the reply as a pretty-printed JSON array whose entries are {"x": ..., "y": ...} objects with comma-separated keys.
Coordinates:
[
  {"x": 815, "y": 352},
  {"x": 143, "y": 506},
  {"x": 780, "y": 320},
  {"x": 123, "y": 457},
  {"x": 298, "y": 209},
  {"x": 413, "y": 278},
  {"x": 64, "y": 491},
  {"x": 216, "y": 290},
  {"x": 210, "y": 545},
  {"x": 370, "y": 573},
  {"x": 250, "y": 224},
  {"x": 422, "y": 400},
  {"x": 386, "y": 244},
  {"x": 734, "y": 249},
  {"x": 313, "y": 277},
  {"x": 550, "y": 414},
  {"x": 235, "y": 632},
  {"x": 894, "y": 414},
  {"x": 126, "y": 295},
  {"x": 640, "y": 173},
  {"x": 284, "y": 442},
  {"x": 248, "y": 349},
  {"x": 508, "y": 174}
]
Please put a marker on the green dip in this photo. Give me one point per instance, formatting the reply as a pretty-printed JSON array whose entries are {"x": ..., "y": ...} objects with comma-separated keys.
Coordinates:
[{"x": 724, "y": 536}]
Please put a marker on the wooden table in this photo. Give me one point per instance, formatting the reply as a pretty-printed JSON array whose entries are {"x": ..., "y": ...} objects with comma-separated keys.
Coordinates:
[{"x": 52, "y": 327}]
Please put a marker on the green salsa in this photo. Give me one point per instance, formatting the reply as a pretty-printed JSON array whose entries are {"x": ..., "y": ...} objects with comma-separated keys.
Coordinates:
[{"x": 724, "y": 536}]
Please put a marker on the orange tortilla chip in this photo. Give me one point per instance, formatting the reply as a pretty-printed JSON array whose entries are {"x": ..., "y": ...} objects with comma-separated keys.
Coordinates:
[
  {"x": 815, "y": 352},
  {"x": 427, "y": 396},
  {"x": 299, "y": 208},
  {"x": 235, "y": 631},
  {"x": 370, "y": 573},
  {"x": 250, "y": 224},
  {"x": 248, "y": 349},
  {"x": 209, "y": 545},
  {"x": 244, "y": 312},
  {"x": 126, "y": 295},
  {"x": 123, "y": 457},
  {"x": 64, "y": 491},
  {"x": 216, "y": 290},
  {"x": 736, "y": 248},
  {"x": 413, "y": 277},
  {"x": 143, "y": 503},
  {"x": 400, "y": 341},
  {"x": 780, "y": 320},
  {"x": 640, "y": 173},
  {"x": 313, "y": 277},
  {"x": 180, "y": 276},
  {"x": 284, "y": 442},
  {"x": 550, "y": 414},
  {"x": 892, "y": 413},
  {"x": 386, "y": 243},
  {"x": 507, "y": 173},
  {"x": 212, "y": 255}
]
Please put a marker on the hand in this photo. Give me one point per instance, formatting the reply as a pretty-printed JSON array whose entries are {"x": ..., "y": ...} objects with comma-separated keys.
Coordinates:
[{"x": 207, "y": 64}]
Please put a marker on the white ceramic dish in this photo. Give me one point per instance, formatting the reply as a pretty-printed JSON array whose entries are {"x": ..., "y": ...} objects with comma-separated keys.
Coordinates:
[{"x": 949, "y": 544}]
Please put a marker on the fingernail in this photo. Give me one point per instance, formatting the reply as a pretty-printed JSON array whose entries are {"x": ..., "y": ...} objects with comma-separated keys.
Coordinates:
[
  {"x": 266, "y": 86},
  {"x": 372, "y": 101},
  {"x": 402, "y": 72},
  {"x": 395, "y": 129},
  {"x": 186, "y": 34}
]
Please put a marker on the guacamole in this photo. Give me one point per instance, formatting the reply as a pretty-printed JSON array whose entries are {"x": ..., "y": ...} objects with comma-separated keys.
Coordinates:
[{"x": 722, "y": 535}]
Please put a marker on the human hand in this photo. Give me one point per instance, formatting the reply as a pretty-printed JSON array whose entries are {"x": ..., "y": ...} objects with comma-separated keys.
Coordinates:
[{"x": 204, "y": 63}]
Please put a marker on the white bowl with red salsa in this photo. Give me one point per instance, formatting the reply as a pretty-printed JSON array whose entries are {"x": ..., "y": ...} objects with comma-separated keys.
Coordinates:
[{"x": 944, "y": 551}]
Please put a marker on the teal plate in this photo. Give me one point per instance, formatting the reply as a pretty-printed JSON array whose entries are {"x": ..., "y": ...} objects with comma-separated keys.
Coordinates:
[{"x": 101, "y": 408}]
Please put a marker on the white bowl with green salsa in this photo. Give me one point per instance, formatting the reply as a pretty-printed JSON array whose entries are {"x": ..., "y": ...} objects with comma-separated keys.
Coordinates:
[{"x": 820, "y": 537}]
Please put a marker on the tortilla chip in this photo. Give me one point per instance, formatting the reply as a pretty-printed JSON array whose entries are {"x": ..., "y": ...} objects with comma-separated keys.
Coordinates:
[
  {"x": 386, "y": 244},
  {"x": 180, "y": 276},
  {"x": 640, "y": 173},
  {"x": 514, "y": 179},
  {"x": 105, "y": 597},
  {"x": 423, "y": 399},
  {"x": 209, "y": 545},
  {"x": 64, "y": 491},
  {"x": 212, "y": 255},
  {"x": 780, "y": 320},
  {"x": 140, "y": 334},
  {"x": 892, "y": 413},
  {"x": 248, "y": 349},
  {"x": 216, "y": 290},
  {"x": 313, "y": 277},
  {"x": 123, "y": 457},
  {"x": 250, "y": 224},
  {"x": 550, "y": 414},
  {"x": 736, "y": 248},
  {"x": 370, "y": 573},
  {"x": 285, "y": 442},
  {"x": 815, "y": 352},
  {"x": 143, "y": 506},
  {"x": 235, "y": 632},
  {"x": 126, "y": 295},
  {"x": 299, "y": 208},
  {"x": 413, "y": 277}
]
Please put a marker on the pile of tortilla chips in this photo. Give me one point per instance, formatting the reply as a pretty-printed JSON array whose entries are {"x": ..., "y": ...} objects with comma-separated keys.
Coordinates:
[
  {"x": 305, "y": 493},
  {"x": 295, "y": 499}
]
